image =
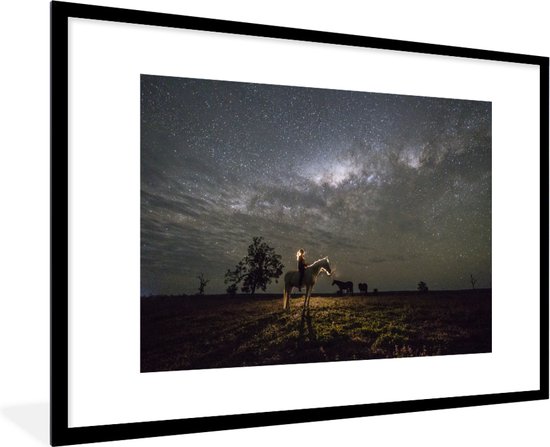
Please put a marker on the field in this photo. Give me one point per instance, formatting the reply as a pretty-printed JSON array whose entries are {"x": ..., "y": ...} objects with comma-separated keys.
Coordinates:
[{"x": 197, "y": 332}]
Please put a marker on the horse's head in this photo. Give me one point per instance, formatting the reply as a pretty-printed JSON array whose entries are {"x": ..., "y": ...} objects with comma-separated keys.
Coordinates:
[{"x": 326, "y": 266}]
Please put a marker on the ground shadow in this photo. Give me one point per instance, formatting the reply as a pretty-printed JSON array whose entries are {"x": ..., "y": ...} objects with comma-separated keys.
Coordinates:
[
  {"x": 31, "y": 418},
  {"x": 306, "y": 331}
]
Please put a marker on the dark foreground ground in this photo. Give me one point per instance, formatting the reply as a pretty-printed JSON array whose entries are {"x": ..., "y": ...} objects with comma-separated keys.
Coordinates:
[{"x": 219, "y": 331}]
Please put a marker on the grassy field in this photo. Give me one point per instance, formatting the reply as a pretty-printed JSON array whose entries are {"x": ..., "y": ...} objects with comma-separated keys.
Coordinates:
[{"x": 198, "y": 332}]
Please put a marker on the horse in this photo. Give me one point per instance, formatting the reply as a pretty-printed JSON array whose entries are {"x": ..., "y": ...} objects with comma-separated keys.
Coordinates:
[
  {"x": 347, "y": 286},
  {"x": 310, "y": 277},
  {"x": 363, "y": 287}
]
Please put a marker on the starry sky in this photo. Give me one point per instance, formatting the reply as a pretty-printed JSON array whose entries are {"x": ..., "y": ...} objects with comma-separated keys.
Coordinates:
[{"x": 393, "y": 189}]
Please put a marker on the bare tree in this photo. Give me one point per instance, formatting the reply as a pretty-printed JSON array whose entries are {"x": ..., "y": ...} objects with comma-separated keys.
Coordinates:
[
  {"x": 422, "y": 287},
  {"x": 473, "y": 281},
  {"x": 203, "y": 282}
]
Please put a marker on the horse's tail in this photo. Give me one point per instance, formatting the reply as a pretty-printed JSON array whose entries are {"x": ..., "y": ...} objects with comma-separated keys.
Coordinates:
[{"x": 287, "y": 289}]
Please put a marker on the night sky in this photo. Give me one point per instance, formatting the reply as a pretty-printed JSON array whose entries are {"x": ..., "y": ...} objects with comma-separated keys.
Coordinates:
[{"x": 393, "y": 189}]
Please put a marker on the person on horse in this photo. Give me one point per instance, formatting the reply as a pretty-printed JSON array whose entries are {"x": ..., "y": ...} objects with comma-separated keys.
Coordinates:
[{"x": 301, "y": 266}]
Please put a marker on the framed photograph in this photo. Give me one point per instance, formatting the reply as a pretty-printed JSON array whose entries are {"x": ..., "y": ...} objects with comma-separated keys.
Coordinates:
[{"x": 256, "y": 225}]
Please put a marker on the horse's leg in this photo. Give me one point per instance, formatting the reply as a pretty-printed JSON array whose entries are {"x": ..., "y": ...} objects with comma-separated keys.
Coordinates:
[
  {"x": 306, "y": 303},
  {"x": 288, "y": 291},
  {"x": 285, "y": 298}
]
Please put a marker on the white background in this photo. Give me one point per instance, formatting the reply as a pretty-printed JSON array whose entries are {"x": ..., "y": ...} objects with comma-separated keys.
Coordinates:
[
  {"x": 24, "y": 243},
  {"x": 106, "y": 60}
]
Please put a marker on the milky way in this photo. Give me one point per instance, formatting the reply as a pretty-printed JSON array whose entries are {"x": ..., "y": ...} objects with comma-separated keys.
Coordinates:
[{"x": 394, "y": 189}]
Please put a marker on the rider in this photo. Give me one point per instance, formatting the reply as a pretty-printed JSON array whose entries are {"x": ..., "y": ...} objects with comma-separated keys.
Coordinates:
[{"x": 301, "y": 266}]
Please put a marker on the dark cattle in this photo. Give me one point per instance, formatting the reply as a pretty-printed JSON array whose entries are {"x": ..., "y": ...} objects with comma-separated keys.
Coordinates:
[
  {"x": 344, "y": 286},
  {"x": 363, "y": 287}
]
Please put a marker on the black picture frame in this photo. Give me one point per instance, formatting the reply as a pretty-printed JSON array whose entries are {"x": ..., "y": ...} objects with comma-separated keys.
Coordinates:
[{"x": 61, "y": 433}]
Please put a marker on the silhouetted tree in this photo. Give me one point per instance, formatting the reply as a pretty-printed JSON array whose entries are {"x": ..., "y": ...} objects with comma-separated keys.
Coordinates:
[
  {"x": 232, "y": 289},
  {"x": 203, "y": 282},
  {"x": 473, "y": 281},
  {"x": 257, "y": 268},
  {"x": 422, "y": 286}
]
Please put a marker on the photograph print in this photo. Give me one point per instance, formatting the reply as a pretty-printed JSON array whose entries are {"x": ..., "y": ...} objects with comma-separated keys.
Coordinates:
[{"x": 288, "y": 224}]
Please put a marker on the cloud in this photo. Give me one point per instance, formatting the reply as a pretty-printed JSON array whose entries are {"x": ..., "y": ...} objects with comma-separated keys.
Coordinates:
[{"x": 374, "y": 181}]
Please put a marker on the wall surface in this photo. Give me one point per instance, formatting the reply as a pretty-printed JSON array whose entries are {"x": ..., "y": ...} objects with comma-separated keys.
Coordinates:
[{"x": 24, "y": 237}]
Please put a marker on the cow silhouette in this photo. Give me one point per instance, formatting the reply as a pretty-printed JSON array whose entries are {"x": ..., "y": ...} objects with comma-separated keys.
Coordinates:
[{"x": 344, "y": 286}]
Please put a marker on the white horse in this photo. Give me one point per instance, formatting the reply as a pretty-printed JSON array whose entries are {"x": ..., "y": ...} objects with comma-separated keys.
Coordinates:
[{"x": 311, "y": 272}]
